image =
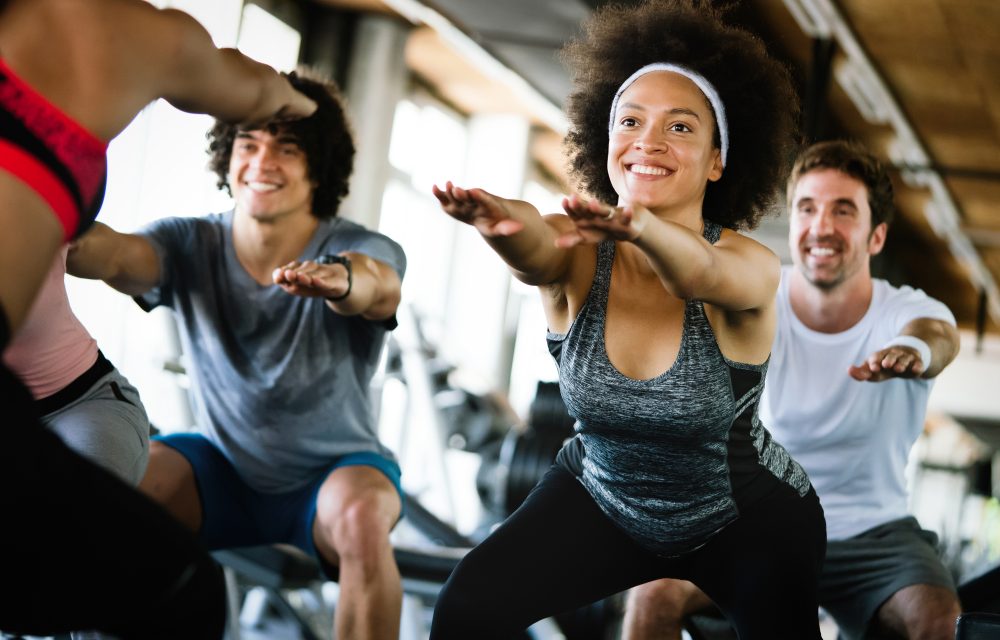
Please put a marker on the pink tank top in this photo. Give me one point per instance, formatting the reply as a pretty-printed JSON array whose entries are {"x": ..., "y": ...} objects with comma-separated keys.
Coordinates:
[{"x": 52, "y": 348}]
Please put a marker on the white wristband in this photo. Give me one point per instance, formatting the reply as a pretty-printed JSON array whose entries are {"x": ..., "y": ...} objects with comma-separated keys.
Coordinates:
[{"x": 914, "y": 343}]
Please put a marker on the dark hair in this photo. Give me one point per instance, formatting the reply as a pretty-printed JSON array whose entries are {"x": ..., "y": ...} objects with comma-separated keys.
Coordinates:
[
  {"x": 761, "y": 104},
  {"x": 324, "y": 137},
  {"x": 853, "y": 160}
]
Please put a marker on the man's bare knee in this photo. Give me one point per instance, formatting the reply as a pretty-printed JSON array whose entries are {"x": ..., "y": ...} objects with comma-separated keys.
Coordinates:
[
  {"x": 356, "y": 509},
  {"x": 921, "y": 612},
  {"x": 169, "y": 481},
  {"x": 657, "y": 609}
]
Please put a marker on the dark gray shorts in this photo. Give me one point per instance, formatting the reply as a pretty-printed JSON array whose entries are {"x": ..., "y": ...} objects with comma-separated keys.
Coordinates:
[{"x": 862, "y": 572}]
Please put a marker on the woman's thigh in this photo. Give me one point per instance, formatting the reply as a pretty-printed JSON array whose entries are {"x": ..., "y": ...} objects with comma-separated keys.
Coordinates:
[
  {"x": 763, "y": 570},
  {"x": 557, "y": 552}
]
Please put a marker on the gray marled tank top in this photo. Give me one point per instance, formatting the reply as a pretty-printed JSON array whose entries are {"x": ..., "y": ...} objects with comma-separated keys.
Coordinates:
[{"x": 674, "y": 459}]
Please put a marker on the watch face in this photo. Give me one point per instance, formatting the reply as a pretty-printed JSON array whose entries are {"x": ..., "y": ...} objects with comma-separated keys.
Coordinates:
[
  {"x": 332, "y": 259},
  {"x": 344, "y": 260}
]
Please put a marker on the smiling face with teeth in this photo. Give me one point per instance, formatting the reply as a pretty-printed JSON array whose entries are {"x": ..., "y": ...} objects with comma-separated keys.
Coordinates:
[
  {"x": 830, "y": 232},
  {"x": 269, "y": 175},
  {"x": 661, "y": 153}
]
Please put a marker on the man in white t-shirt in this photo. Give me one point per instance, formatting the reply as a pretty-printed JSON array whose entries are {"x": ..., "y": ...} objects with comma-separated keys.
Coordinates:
[{"x": 851, "y": 369}]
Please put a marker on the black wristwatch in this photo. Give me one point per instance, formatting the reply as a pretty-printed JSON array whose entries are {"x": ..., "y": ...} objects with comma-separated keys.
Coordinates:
[{"x": 332, "y": 258}]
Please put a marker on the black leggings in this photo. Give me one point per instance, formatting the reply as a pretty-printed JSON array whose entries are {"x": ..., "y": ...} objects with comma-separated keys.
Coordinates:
[
  {"x": 559, "y": 552},
  {"x": 80, "y": 549}
]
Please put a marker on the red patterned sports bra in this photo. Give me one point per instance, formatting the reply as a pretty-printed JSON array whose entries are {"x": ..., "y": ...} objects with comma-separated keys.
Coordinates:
[{"x": 51, "y": 153}]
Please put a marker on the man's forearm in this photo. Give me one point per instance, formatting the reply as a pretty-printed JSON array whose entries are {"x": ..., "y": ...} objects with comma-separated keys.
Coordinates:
[
  {"x": 126, "y": 262},
  {"x": 941, "y": 337},
  {"x": 375, "y": 291}
]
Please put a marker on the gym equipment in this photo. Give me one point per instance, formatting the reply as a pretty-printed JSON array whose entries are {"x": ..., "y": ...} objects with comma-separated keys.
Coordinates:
[
  {"x": 977, "y": 626},
  {"x": 982, "y": 592},
  {"x": 512, "y": 467}
]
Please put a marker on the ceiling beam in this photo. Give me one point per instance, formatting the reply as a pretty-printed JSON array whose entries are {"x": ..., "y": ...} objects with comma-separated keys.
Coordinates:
[{"x": 817, "y": 88}]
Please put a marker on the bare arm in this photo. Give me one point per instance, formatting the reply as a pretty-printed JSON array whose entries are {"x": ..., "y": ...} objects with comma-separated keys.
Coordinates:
[
  {"x": 514, "y": 229},
  {"x": 125, "y": 261},
  {"x": 224, "y": 82},
  {"x": 735, "y": 274},
  {"x": 102, "y": 62},
  {"x": 899, "y": 361},
  {"x": 372, "y": 292}
]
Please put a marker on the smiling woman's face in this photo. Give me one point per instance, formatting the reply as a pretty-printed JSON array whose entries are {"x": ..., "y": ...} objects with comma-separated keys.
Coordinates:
[{"x": 661, "y": 154}]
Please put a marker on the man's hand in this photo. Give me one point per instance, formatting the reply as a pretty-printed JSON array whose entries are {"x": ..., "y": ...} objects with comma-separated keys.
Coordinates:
[
  {"x": 895, "y": 361},
  {"x": 312, "y": 280}
]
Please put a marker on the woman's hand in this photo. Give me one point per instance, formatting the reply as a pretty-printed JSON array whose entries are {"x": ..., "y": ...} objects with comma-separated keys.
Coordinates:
[
  {"x": 489, "y": 214},
  {"x": 595, "y": 222}
]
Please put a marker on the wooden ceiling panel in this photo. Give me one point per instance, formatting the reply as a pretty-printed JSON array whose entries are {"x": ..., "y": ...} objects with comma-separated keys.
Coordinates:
[
  {"x": 902, "y": 29},
  {"x": 456, "y": 79},
  {"x": 980, "y": 200},
  {"x": 937, "y": 85},
  {"x": 975, "y": 24},
  {"x": 992, "y": 95},
  {"x": 910, "y": 204},
  {"x": 963, "y": 152},
  {"x": 950, "y": 112},
  {"x": 991, "y": 257}
]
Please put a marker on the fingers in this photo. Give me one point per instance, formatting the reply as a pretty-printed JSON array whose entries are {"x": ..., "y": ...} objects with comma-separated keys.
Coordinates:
[
  {"x": 456, "y": 201},
  {"x": 300, "y": 107},
  {"x": 302, "y": 274},
  {"x": 897, "y": 361},
  {"x": 478, "y": 208},
  {"x": 597, "y": 213},
  {"x": 861, "y": 373},
  {"x": 884, "y": 364},
  {"x": 596, "y": 221}
]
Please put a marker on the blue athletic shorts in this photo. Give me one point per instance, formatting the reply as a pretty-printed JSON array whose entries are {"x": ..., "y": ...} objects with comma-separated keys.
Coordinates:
[{"x": 236, "y": 515}]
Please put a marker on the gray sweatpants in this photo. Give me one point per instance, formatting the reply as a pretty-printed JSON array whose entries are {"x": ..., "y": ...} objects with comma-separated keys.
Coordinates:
[{"x": 107, "y": 425}]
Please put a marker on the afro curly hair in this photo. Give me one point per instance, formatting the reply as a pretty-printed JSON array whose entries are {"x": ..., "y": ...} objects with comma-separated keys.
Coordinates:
[
  {"x": 325, "y": 138},
  {"x": 761, "y": 104}
]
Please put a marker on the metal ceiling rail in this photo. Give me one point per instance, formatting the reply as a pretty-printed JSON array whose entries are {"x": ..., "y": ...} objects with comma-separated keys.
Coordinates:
[{"x": 870, "y": 94}]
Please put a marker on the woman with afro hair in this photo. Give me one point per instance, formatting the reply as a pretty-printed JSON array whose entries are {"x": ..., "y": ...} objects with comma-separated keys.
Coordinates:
[{"x": 661, "y": 317}]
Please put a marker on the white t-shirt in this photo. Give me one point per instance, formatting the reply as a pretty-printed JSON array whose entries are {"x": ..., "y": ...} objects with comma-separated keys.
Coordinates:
[{"x": 853, "y": 438}]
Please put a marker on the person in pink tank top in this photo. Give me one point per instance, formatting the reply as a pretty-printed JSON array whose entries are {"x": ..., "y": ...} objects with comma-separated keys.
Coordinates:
[{"x": 78, "y": 393}]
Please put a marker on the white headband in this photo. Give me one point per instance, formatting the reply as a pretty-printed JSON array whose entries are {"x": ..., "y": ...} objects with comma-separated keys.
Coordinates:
[{"x": 703, "y": 84}]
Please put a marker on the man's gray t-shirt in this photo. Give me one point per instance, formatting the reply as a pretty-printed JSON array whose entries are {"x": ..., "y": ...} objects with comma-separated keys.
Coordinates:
[{"x": 281, "y": 381}]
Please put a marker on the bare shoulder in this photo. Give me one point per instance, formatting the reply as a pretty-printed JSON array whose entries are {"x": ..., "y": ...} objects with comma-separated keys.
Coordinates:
[
  {"x": 738, "y": 240},
  {"x": 745, "y": 248}
]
